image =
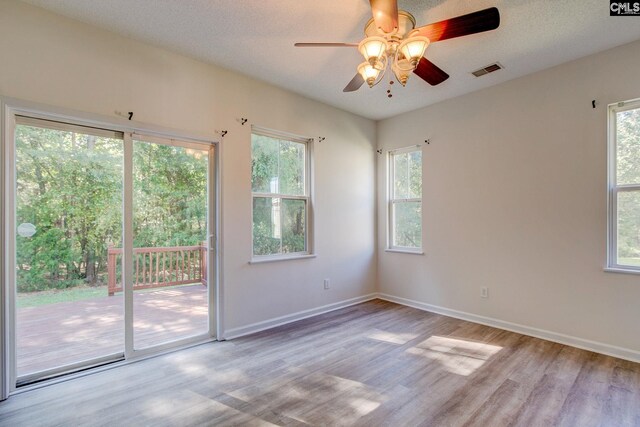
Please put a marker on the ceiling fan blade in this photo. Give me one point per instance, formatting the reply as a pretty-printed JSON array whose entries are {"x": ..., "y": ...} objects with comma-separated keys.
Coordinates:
[
  {"x": 476, "y": 22},
  {"x": 354, "y": 84},
  {"x": 430, "y": 72},
  {"x": 326, "y": 45},
  {"x": 385, "y": 14}
]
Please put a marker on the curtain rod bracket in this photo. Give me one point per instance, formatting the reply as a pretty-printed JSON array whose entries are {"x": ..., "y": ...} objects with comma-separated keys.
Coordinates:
[{"x": 128, "y": 115}]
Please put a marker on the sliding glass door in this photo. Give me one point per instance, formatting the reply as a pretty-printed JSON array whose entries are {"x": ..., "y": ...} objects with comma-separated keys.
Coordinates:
[
  {"x": 170, "y": 226},
  {"x": 68, "y": 215},
  {"x": 110, "y": 244}
]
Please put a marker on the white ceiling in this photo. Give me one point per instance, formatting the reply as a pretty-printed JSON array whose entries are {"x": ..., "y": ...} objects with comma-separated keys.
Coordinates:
[{"x": 256, "y": 38}]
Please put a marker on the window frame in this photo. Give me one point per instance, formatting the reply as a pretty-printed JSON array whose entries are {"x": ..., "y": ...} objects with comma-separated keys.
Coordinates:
[
  {"x": 613, "y": 189},
  {"x": 392, "y": 201},
  {"x": 306, "y": 197}
]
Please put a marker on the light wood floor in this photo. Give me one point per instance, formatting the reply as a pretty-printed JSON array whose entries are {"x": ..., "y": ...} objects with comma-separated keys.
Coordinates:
[{"x": 376, "y": 363}]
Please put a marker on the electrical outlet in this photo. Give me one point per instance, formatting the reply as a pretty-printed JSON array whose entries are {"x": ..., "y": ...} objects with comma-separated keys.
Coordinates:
[
  {"x": 484, "y": 292},
  {"x": 327, "y": 283}
]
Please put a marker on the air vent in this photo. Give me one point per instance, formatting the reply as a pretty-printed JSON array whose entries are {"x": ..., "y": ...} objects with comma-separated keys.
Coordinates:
[{"x": 488, "y": 69}]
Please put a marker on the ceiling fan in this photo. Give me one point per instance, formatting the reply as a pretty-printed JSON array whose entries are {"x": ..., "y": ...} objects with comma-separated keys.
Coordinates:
[{"x": 392, "y": 38}]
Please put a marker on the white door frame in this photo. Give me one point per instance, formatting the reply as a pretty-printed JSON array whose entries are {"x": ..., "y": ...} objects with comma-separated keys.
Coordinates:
[
  {"x": 9, "y": 108},
  {"x": 5, "y": 330}
]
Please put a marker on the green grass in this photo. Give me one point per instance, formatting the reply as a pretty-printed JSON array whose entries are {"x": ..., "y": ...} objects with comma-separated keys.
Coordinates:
[{"x": 33, "y": 299}]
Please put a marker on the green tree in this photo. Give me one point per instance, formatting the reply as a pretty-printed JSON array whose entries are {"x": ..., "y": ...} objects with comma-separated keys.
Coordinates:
[
  {"x": 407, "y": 184},
  {"x": 69, "y": 185},
  {"x": 278, "y": 169},
  {"x": 170, "y": 195}
]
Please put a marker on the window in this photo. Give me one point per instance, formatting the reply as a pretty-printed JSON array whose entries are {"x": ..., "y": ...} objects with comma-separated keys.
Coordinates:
[
  {"x": 405, "y": 199},
  {"x": 280, "y": 191},
  {"x": 624, "y": 186}
]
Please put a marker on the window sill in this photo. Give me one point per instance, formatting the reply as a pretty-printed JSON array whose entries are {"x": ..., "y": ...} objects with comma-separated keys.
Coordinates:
[
  {"x": 621, "y": 270},
  {"x": 405, "y": 251},
  {"x": 280, "y": 258}
]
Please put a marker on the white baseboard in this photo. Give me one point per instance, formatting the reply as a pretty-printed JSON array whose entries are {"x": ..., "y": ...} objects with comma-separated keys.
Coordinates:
[
  {"x": 598, "y": 347},
  {"x": 283, "y": 320}
]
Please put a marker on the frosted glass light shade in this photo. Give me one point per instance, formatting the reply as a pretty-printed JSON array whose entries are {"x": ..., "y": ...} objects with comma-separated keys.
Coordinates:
[
  {"x": 368, "y": 73},
  {"x": 402, "y": 69},
  {"x": 413, "y": 48},
  {"x": 373, "y": 49}
]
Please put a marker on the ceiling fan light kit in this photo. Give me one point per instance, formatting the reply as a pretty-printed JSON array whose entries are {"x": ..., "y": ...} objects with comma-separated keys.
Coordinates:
[
  {"x": 392, "y": 41},
  {"x": 369, "y": 73},
  {"x": 401, "y": 70},
  {"x": 402, "y": 47},
  {"x": 413, "y": 49},
  {"x": 373, "y": 49}
]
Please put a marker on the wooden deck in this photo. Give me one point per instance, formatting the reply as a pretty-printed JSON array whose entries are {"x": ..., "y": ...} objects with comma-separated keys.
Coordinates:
[{"x": 58, "y": 334}]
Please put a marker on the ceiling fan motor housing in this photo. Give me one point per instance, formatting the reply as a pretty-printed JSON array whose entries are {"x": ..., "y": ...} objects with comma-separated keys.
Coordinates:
[{"x": 406, "y": 23}]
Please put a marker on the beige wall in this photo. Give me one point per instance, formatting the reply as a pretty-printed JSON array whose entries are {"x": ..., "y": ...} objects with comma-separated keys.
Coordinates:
[
  {"x": 49, "y": 59},
  {"x": 514, "y": 195}
]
